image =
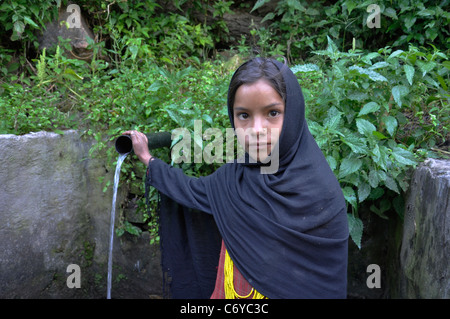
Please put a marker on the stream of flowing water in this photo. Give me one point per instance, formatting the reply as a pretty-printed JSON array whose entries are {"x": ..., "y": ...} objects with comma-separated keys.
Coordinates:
[{"x": 113, "y": 216}]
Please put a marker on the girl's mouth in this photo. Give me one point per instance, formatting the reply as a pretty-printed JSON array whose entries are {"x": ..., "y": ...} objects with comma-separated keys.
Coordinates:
[{"x": 260, "y": 145}]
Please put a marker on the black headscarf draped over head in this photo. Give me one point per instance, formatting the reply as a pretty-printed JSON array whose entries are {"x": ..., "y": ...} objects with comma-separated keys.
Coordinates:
[{"x": 286, "y": 232}]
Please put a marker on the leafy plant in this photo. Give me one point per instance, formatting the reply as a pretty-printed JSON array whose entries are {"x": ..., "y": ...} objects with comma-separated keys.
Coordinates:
[
  {"x": 356, "y": 120},
  {"x": 301, "y": 26},
  {"x": 19, "y": 18},
  {"x": 140, "y": 32},
  {"x": 58, "y": 70}
]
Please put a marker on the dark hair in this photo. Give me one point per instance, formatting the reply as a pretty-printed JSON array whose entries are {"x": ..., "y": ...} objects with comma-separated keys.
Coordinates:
[{"x": 253, "y": 71}]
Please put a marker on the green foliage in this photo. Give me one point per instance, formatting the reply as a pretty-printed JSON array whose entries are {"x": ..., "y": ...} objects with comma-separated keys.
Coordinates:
[
  {"x": 139, "y": 32},
  {"x": 19, "y": 18},
  {"x": 301, "y": 26},
  {"x": 358, "y": 117},
  {"x": 30, "y": 104},
  {"x": 375, "y": 114}
]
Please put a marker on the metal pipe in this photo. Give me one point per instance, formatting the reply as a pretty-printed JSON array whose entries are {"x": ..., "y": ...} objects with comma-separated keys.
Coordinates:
[{"x": 124, "y": 145}]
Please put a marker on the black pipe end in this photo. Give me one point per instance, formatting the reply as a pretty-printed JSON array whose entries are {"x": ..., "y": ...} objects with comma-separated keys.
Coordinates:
[{"x": 124, "y": 145}]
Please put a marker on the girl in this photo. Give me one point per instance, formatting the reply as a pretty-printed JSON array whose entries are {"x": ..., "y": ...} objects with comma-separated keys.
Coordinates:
[{"x": 284, "y": 233}]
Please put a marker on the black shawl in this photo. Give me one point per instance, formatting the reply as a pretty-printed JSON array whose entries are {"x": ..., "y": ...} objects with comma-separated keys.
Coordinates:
[{"x": 286, "y": 232}]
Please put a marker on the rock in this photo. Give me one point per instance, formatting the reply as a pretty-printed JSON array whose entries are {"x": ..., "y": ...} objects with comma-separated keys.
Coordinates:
[
  {"x": 53, "y": 213},
  {"x": 70, "y": 25},
  {"x": 425, "y": 251}
]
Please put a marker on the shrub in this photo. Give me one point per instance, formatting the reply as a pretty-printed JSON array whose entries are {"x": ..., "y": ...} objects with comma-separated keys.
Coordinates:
[
  {"x": 302, "y": 26},
  {"x": 359, "y": 115}
]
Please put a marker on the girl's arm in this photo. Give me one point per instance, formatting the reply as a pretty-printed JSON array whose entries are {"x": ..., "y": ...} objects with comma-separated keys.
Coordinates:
[{"x": 170, "y": 181}]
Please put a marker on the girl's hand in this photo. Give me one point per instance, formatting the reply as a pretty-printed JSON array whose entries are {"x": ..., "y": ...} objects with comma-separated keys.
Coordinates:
[{"x": 140, "y": 145}]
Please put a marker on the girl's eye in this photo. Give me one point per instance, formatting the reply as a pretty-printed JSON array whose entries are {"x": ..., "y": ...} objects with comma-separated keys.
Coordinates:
[
  {"x": 242, "y": 116},
  {"x": 274, "y": 113}
]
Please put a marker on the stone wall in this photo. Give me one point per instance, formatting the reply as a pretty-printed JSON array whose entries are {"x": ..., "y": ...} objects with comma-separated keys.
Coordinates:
[
  {"x": 53, "y": 213},
  {"x": 413, "y": 254},
  {"x": 425, "y": 251}
]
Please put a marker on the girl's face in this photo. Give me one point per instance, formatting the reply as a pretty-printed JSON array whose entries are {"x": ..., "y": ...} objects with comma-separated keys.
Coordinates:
[{"x": 258, "y": 113}]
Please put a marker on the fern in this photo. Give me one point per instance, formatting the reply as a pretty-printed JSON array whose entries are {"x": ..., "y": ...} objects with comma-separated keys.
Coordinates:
[{"x": 41, "y": 68}]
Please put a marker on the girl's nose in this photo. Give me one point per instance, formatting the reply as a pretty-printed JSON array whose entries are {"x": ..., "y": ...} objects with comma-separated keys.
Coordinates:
[{"x": 259, "y": 126}]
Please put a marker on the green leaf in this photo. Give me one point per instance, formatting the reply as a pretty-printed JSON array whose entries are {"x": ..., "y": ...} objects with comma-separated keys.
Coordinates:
[
  {"x": 130, "y": 228},
  {"x": 333, "y": 118},
  {"x": 349, "y": 166},
  {"x": 376, "y": 193},
  {"x": 409, "y": 71},
  {"x": 395, "y": 54},
  {"x": 73, "y": 73},
  {"x": 259, "y": 4},
  {"x": 363, "y": 191},
  {"x": 391, "y": 184},
  {"x": 425, "y": 13},
  {"x": 19, "y": 27},
  {"x": 268, "y": 16},
  {"x": 332, "y": 162},
  {"x": 355, "y": 227},
  {"x": 379, "y": 65},
  {"x": 409, "y": 21},
  {"x": 442, "y": 82},
  {"x": 304, "y": 68},
  {"x": 374, "y": 76},
  {"x": 332, "y": 49},
  {"x": 369, "y": 57},
  {"x": 134, "y": 49},
  {"x": 403, "y": 156},
  {"x": 426, "y": 67},
  {"x": 446, "y": 64},
  {"x": 350, "y": 196},
  {"x": 207, "y": 118},
  {"x": 28, "y": 20},
  {"x": 356, "y": 143},
  {"x": 365, "y": 127},
  {"x": 381, "y": 157},
  {"x": 398, "y": 92},
  {"x": 357, "y": 96},
  {"x": 385, "y": 205},
  {"x": 370, "y": 107},
  {"x": 391, "y": 124},
  {"x": 155, "y": 86},
  {"x": 379, "y": 135},
  {"x": 176, "y": 117},
  {"x": 390, "y": 12},
  {"x": 374, "y": 179},
  {"x": 350, "y": 5},
  {"x": 312, "y": 12}
]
